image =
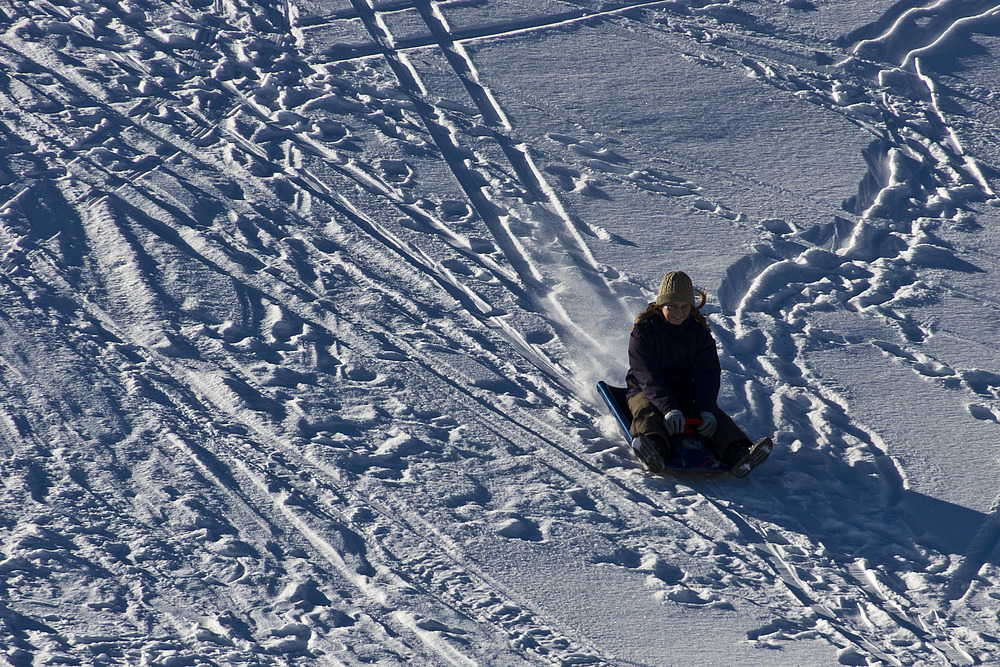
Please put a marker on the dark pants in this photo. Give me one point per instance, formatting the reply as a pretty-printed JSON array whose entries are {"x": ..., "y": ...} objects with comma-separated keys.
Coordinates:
[{"x": 647, "y": 419}]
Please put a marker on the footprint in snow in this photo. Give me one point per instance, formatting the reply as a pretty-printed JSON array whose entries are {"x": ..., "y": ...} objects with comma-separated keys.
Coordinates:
[
  {"x": 573, "y": 180},
  {"x": 398, "y": 172},
  {"x": 330, "y": 131},
  {"x": 456, "y": 211},
  {"x": 685, "y": 595},
  {"x": 621, "y": 557},
  {"x": 517, "y": 527},
  {"x": 358, "y": 372},
  {"x": 662, "y": 571},
  {"x": 982, "y": 412},
  {"x": 231, "y": 547},
  {"x": 277, "y": 376}
]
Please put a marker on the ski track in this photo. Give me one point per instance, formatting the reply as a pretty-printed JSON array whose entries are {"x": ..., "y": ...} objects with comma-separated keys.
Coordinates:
[{"x": 266, "y": 477}]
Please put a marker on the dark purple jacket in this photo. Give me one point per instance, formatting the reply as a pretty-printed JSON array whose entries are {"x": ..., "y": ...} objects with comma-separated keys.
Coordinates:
[{"x": 676, "y": 366}]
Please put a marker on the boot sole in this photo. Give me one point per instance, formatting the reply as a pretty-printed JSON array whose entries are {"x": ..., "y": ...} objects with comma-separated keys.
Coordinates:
[{"x": 753, "y": 458}]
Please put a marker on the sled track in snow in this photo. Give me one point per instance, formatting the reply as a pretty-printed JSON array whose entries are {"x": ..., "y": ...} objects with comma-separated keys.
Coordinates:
[
  {"x": 506, "y": 615},
  {"x": 521, "y": 283},
  {"x": 545, "y": 209},
  {"x": 425, "y": 562}
]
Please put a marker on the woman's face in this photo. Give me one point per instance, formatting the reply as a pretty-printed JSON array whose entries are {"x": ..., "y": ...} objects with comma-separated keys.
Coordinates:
[{"x": 676, "y": 313}]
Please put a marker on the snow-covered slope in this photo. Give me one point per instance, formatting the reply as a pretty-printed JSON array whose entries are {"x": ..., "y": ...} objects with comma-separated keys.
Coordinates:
[{"x": 302, "y": 306}]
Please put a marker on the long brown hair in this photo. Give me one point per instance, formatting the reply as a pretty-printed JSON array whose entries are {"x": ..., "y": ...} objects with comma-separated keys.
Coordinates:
[{"x": 656, "y": 310}]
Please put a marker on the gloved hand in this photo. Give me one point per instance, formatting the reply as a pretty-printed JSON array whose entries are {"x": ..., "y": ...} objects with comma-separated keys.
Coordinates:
[
  {"x": 708, "y": 425},
  {"x": 673, "y": 422}
]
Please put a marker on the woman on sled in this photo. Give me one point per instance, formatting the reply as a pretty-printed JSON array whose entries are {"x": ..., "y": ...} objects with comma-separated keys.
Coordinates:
[{"x": 674, "y": 375}]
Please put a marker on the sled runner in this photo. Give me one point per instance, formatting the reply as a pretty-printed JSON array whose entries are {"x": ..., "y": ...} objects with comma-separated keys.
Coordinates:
[{"x": 690, "y": 451}]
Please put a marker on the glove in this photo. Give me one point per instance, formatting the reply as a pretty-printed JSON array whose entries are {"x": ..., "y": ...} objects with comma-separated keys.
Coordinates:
[
  {"x": 673, "y": 422},
  {"x": 708, "y": 425}
]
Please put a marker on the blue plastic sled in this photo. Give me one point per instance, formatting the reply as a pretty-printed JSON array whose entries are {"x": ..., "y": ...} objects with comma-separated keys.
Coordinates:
[{"x": 691, "y": 452}]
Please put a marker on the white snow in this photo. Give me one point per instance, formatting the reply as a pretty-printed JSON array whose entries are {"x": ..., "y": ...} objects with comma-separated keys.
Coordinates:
[{"x": 302, "y": 305}]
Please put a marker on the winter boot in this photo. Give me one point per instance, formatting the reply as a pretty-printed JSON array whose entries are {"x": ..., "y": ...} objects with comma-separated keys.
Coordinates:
[
  {"x": 648, "y": 452},
  {"x": 744, "y": 457}
]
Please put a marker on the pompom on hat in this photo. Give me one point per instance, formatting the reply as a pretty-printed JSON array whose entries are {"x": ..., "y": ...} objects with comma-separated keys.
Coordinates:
[{"x": 676, "y": 287}]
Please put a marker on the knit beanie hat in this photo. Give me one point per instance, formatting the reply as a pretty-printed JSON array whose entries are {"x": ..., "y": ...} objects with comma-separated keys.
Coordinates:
[{"x": 675, "y": 288}]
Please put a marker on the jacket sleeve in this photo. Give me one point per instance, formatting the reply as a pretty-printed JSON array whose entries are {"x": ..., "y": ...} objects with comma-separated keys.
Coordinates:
[
  {"x": 707, "y": 373},
  {"x": 643, "y": 361}
]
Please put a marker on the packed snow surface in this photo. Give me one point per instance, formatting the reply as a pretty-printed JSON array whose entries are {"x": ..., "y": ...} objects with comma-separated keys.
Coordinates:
[{"x": 302, "y": 305}]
